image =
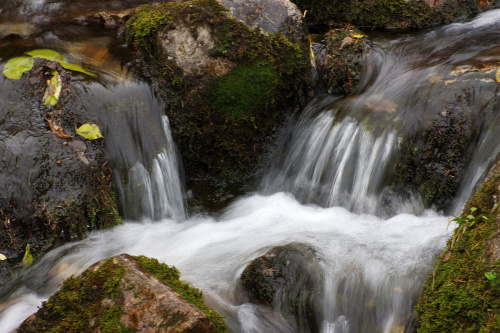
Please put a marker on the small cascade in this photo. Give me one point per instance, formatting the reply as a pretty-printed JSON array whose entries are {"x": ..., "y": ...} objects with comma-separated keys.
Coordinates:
[{"x": 160, "y": 191}]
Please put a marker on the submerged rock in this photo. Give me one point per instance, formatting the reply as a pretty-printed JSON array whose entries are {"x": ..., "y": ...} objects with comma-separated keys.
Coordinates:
[
  {"x": 288, "y": 279},
  {"x": 123, "y": 294},
  {"x": 229, "y": 87},
  {"x": 463, "y": 293}
]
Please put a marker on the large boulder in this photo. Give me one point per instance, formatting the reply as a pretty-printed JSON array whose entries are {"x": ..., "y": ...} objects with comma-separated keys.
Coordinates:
[
  {"x": 125, "y": 293},
  {"x": 55, "y": 186},
  {"x": 389, "y": 13},
  {"x": 288, "y": 279},
  {"x": 228, "y": 87},
  {"x": 463, "y": 293}
]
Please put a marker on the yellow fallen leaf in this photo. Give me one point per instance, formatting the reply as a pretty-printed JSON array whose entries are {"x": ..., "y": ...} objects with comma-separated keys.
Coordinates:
[
  {"x": 3, "y": 257},
  {"x": 358, "y": 35},
  {"x": 54, "y": 86},
  {"x": 497, "y": 76},
  {"x": 89, "y": 131},
  {"x": 28, "y": 257}
]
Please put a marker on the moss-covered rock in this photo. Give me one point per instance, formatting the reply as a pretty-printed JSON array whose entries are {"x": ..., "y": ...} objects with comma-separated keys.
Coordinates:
[
  {"x": 388, "y": 13},
  {"x": 54, "y": 188},
  {"x": 125, "y": 294},
  {"x": 463, "y": 294},
  {"x": 288, "y": 279},
  {"x": 339, "y": 68},
  {"x": 228, "y": 87}
]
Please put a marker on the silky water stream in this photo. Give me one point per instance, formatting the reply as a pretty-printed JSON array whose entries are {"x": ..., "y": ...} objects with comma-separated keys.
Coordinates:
[{"x": 324, "y": 189}]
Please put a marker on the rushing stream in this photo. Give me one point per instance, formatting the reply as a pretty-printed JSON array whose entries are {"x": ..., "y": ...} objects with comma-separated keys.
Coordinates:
[{"x": 327, "y": 187}]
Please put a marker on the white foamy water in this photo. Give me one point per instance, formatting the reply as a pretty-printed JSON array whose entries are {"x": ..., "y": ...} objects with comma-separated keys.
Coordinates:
[{"x": 364, "y": 258}]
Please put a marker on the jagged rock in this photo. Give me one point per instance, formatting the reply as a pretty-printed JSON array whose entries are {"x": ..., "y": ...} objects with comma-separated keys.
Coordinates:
[
  {"x": 120, "y": 294},
  {"x": 288, "y": 279}
]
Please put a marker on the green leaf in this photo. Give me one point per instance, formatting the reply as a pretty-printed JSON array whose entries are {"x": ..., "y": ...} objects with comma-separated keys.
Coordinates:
[
  {"x": 473, "y": 209},
  {"x": 54, "y": 86},
  {"x": 46, "y": 54},
  {"x": 470, "y": 217},
  {"x": 497, "y": 76},
  {"x": 28, "y": 257},
  {"x": 76, "y": 68},
  {"x": 491, "y": 275},
  {"x": 89, "y": 131},
  {"x": 459, "y": 220},
  {"x": 2, "y": 257},
  {"x": 15, "y": 67}
]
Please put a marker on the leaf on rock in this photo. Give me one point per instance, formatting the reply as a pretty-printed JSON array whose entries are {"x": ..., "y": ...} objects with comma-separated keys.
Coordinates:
[
  {"x": 28, "y": 257},
  {"x": 358, "y": 35},
  {"x": 497, "y": 76},
  {"x": 15, "y": 67},
  {"x": 78, "y": 145},
  {"x": 2, "y": 257},
  {"x": 89, "y": 131},
  {"x": 54, "y": 86},
  {"x": 76, "y": 68},
  {"x": 46, "y": 54},
  {"x": 57, "y": 129},
  {"x": 82, "y": 157},
  {"x": 346, "y": 41}
]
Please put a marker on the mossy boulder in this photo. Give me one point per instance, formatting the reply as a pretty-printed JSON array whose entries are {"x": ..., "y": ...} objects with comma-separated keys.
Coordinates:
[
  {"x": 54, "y": 187},
  {"x": 288, "y": 279},
  {"x": 125, "y": 294},
  {"x": 340, "y": 61},
  {"x": 463, "y": 294},
  {"x": 389, "y": 13},
  {"x": 228, "y": 87}
]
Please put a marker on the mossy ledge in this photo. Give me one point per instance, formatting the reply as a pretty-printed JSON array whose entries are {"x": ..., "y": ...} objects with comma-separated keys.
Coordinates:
[
  {"x": 389, "y": 13},
  {"x": 91, "y": 302},
  {"x": 224, "y": 115},
  {"x": 463, "y": 294}
]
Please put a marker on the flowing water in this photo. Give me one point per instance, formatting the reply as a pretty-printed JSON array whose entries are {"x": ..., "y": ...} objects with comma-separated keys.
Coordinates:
[{"x": 326, "y": 188}]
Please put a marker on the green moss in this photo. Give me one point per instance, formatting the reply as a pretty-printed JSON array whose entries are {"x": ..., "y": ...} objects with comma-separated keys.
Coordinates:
[
  {"x": 384, "y": 13},
  {"x": 80, "y": 299},
  {"x": 222, "y": 142},
  {"x": 245, "y": 90},
  {"x": 143, "y": 25},
  {"x": 170, "y": 276},
  {"x": 459, "y": 297}
]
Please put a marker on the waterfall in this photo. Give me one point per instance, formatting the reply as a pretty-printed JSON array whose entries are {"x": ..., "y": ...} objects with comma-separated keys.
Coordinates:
[{"x": 329, "y": 187}]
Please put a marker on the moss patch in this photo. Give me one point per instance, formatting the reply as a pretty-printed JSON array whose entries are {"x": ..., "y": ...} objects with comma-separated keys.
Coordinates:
[
  {"x": 244, "y": 91},
  {"x": 171, "y": 277},
  {"x": 384, "y": 13},
  {"x": 459, "y": 297},
  {"x": 80, "y": 300}
]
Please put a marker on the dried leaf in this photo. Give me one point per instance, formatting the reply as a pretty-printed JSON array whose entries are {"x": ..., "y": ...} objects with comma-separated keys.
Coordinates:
[
  {"x": 346, "y": 41},
  {"x": 89, "y": 131},
  {"x": 15, "y": 67},
  {"x": 57, "y": 129},
  {"x": 77, "y": 144},
  {"x": 447, "y": 256},
  {"x": 82, "y": 157}
]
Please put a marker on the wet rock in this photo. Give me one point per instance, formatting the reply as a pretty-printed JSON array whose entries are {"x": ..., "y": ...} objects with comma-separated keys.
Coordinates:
[
  {"x": 229, "y": 87},
  {"x": 389, "y": 13},
  {"x": 340, "y": 60},
  {"x": 48, "y": 194},
  {"x": 288, "y": 279},
  {"x": 271, "y": 16},
  {"x": 121, "y": 294}
]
